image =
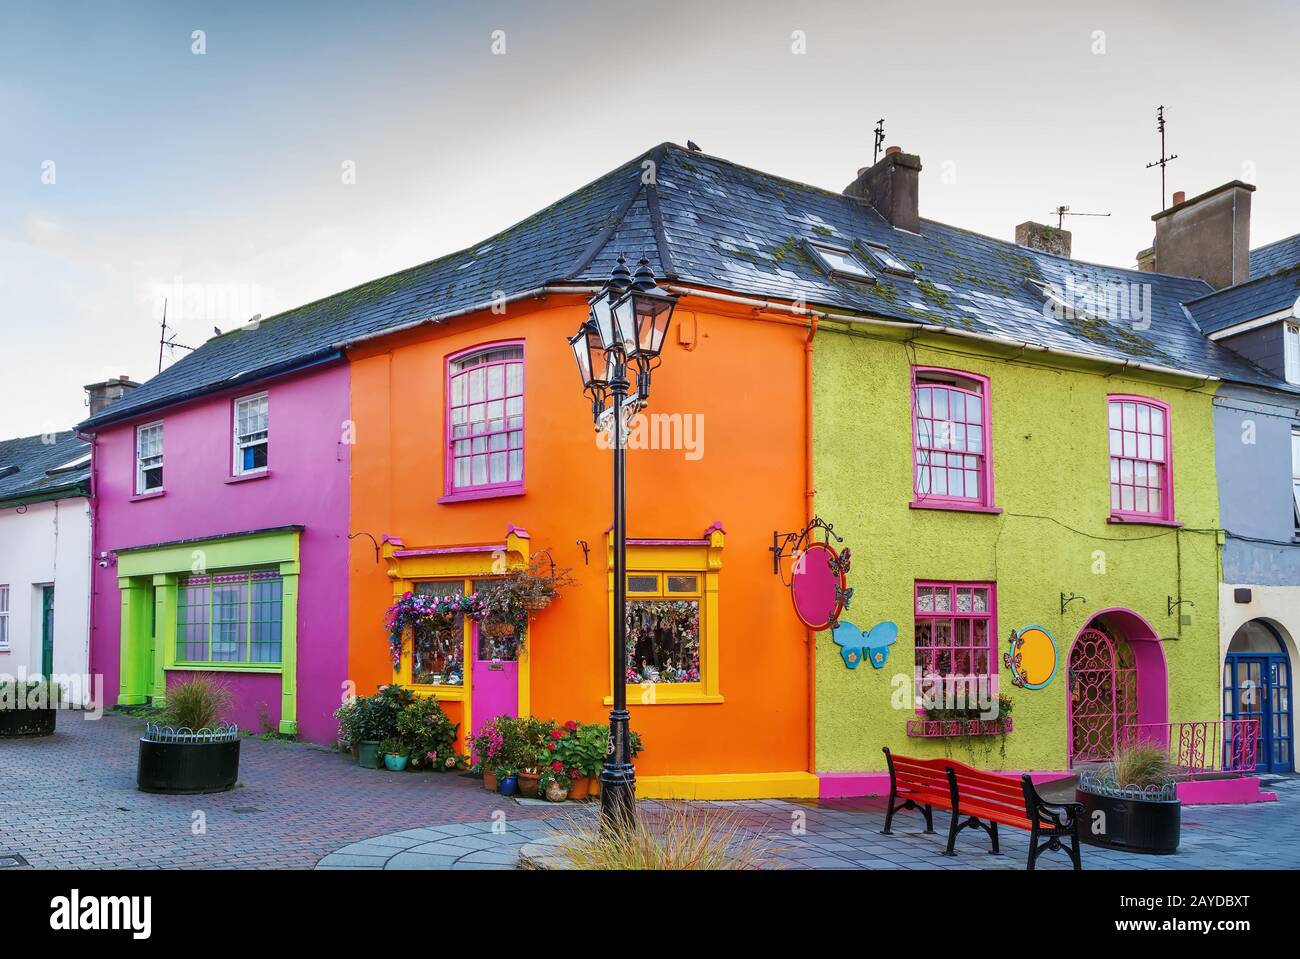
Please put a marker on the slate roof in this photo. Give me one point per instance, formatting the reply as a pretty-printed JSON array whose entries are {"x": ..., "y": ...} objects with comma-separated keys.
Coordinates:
[
  {"x": 709, "y": 222},
  {"x": 35, "y": 459},
  {"x": 1250, "y": 300},
  {"x": 1276, "y": 256}
]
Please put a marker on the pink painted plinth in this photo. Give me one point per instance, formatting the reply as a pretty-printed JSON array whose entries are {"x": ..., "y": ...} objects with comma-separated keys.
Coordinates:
[{"x": 1219, "y": 792}]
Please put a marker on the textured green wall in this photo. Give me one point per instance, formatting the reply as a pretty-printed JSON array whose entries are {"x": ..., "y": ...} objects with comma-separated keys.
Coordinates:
[{"x": 1051, "y": 479}]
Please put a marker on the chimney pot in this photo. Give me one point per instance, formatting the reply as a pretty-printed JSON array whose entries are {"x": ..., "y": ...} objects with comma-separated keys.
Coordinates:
[
  {"x": 890, "y": 187},
  {"x": 1180, "y": 196}
]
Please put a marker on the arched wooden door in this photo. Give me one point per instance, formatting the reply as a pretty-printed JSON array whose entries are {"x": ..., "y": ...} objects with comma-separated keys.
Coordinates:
[{"x": 1102, "y": 697}]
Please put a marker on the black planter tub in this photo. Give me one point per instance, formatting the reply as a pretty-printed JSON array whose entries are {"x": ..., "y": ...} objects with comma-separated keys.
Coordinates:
[
  {"x": 27, "y": 722},
  {"x": 181, "y": 761},
  {"x": 1136, "y": 820},
  {"x": 28, "y": 707}
]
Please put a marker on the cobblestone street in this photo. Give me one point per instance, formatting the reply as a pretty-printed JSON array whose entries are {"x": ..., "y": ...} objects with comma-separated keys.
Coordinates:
[{"x": 70, "y": 802}]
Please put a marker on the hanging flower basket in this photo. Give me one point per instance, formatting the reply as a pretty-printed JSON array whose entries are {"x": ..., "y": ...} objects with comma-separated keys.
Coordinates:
[{"x": 502, "y": 606}]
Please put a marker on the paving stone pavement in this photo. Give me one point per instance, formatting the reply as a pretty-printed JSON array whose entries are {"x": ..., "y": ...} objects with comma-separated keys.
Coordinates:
[
  {"x": 69, "y": 801},
  {"x": 845, "y": 834}
]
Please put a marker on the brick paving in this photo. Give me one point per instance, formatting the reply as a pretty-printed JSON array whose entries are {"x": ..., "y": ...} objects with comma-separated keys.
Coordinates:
[{"x": 70, "y": 801}]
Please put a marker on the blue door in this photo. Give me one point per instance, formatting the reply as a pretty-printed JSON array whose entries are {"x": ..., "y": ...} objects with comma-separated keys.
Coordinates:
[{"x": 1257, "y": 685}]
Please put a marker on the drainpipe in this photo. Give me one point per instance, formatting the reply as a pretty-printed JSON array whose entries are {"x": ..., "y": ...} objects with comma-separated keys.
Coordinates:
[
  {"x": 94, "y": 553},
  {"x": 809, "y": 494}
]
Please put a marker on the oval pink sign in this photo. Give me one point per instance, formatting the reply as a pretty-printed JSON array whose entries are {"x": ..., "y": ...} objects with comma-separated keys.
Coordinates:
[{"x": 816, "y": 587}]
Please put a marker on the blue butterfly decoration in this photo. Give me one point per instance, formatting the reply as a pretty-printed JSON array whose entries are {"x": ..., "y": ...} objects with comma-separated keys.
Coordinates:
[{"x": 853, "y": 642}]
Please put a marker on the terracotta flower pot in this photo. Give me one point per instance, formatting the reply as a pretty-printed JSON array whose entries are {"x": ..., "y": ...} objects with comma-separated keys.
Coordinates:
[
  {"x": 489, "y": 780},
  {"x": 528, "y": 784},
  {"x": 557, "y": 792},
  {"x": 593, "y": 786},
  {"x": 580, "y": 788}
]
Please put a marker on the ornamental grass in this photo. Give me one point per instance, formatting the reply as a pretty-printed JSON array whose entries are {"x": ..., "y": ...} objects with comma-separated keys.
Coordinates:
[
  {"x": 197, "y": 703},
  {"x": 672, "y": 836},
  {"x": 1140, "y": 765}
]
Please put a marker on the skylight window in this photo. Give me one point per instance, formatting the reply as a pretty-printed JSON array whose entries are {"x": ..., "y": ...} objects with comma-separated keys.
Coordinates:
[
  {"x": 888, "y": 261},
  {"x": 67, "y": 467},
  {"x": 840, "y": 261}
]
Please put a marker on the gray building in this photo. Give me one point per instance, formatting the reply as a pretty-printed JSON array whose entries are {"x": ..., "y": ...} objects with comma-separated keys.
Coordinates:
[{"x": 1253, "y": 311}]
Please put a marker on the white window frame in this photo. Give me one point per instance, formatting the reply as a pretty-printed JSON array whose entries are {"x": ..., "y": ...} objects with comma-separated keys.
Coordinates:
[
  {"x": 1291, "y": 351},
  {"x": 241, "y": 444},
  {"x": 140, "y": 467},
  {"x": 4, "y": 617},
  {"x": 1295, "y": 476}
]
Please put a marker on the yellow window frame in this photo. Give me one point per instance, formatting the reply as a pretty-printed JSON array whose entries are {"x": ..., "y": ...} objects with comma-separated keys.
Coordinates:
[
  {"x": 663, "y": 558},
  {"x": 464, "y": 564}
]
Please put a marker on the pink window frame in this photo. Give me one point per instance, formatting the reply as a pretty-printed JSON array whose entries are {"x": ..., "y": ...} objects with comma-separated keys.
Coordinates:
[
  {"x": 452, "y": 492},
  {"x": 985, "y": 503},
  {"x": 991, "y": 616},
  {"x": 1166, "y": 513}
]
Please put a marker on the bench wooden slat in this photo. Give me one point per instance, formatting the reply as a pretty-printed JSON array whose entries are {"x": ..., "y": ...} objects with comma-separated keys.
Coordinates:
[{"x": 986, "y": 799}]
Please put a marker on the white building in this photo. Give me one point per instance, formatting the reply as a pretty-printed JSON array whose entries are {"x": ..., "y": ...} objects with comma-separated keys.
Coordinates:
[{"x": 45, "y": 557}]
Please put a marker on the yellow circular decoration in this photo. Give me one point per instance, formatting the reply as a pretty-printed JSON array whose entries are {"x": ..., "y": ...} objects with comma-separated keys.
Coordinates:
[{"x": 1037, "y": 651}]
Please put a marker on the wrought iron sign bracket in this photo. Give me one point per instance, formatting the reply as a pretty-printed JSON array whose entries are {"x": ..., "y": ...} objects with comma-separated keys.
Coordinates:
[
  {"x": 1067, "y": 600},
  {"x": 1171, "y": 604},
  {"x": 788, "y": 544}
]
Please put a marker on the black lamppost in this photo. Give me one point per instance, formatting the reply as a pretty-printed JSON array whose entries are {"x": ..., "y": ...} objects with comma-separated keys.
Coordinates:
[{"x": 627, "y": 326}]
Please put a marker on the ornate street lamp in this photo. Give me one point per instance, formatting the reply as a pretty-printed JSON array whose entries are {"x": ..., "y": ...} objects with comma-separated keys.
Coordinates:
[{"x": 627, "y": 325}]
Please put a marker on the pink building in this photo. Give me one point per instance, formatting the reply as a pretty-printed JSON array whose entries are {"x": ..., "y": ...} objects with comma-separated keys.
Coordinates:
[{"x": 220, "y": 538}]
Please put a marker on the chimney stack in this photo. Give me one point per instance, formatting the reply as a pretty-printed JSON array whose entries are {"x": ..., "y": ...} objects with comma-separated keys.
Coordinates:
[
  {"x": 1045, "y": 239},
  {"x": 105, "y": 394},
  {"x": 1207, "y": 236},
  {"x": 891, "y": 188}
]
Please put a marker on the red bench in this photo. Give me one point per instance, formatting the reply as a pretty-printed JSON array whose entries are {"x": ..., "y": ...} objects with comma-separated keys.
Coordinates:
[{"x": 985, "y": 799}]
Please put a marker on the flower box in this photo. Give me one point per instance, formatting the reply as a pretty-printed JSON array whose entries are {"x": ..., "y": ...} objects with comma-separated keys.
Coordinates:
[{"x": 939, "y": 728}]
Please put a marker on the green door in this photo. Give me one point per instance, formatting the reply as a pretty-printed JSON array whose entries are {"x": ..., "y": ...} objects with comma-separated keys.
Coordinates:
[{"x": 47, "y": 630}]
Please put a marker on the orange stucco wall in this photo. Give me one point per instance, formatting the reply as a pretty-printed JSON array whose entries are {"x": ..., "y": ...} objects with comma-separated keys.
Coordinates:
[{"x": 746, "y": 377}]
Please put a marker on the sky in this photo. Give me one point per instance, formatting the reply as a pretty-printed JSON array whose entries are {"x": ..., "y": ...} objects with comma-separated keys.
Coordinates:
[{"x": 236, "y": 158}]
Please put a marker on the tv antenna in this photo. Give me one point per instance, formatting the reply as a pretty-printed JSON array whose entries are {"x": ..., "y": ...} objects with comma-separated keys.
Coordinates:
[
  {"x": 880, "y": 140},
  {"x": 1164, "y": 160},
  {"x": 1061, "y": 212},
  {"x": 165, "y": 340}
]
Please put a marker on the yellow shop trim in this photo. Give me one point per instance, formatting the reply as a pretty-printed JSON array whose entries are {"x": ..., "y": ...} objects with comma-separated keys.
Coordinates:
[{"x": 792, "y": 785}]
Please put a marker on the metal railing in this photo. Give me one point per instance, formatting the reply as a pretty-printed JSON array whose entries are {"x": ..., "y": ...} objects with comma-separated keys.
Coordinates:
[
  {"x": 221, "y": 733},
  {"x": 1210, "y": 746}
]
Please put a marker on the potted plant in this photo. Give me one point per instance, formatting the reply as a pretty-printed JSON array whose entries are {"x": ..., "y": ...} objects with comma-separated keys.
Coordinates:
[
  {"x": 428, "y": 733},
  {"x": 485, "y": 751},
  {"x": 376, "y": 720},
  {"x": 396, "y": 754},
  {"x": 1132, "y": 801},
  {"x": 555, "y": 782},
  {"x": 191, "y": 750},
  {"x": 28, "y": 707},
  {"x": 508, "y": 779}
]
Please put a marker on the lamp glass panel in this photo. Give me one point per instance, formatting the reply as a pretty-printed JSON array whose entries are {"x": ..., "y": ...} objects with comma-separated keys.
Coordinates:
[
  {"x": 625, "y": 319},
  {"x": 602, "y": 316}
]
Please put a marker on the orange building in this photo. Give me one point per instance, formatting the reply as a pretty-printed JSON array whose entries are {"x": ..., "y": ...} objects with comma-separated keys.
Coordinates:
[{"x": 718, "y": 462}]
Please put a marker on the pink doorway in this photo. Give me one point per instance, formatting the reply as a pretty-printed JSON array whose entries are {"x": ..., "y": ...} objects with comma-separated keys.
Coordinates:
[
  {"x": 495, "y": 674},
  {"x": 1117, "y": 677}
]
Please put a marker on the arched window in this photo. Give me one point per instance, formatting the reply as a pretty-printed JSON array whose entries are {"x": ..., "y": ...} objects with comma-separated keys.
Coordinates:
[
  {"x": 951, "y": 450},
  {"x": 485, "y": 421}
]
